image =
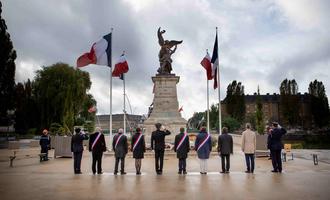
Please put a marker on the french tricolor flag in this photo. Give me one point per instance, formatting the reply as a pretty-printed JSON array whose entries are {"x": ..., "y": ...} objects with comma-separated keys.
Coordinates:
[
  {"x": 121, "y": 67},
  {"x": 100, "y": 53}
]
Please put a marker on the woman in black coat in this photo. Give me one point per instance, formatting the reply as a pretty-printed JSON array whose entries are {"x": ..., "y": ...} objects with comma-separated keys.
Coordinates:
[{"x": 138, "y": 149}]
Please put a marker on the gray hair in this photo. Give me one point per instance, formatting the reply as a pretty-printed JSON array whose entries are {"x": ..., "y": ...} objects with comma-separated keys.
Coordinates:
[
  {"x": 248, "y": 125},
  {"x": 121, "y": 130}
]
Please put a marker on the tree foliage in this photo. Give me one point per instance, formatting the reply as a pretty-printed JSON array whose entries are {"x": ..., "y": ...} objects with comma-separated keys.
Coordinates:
[
  {"x": 290, "y": 101},
  {"x": 26, "y": 110},
  {"x": 231, "y": 123},
  {"x": 319, "y": 103},
  {"x": 235, "y": 100},
  {"x": 259, "y": 116},
  {"x": 7, "y": 71},
  {"x": 61, "y": 94}
]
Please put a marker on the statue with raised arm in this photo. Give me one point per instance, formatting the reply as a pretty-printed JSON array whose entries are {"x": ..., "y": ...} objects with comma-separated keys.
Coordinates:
[{"x": 166, "y": 50}]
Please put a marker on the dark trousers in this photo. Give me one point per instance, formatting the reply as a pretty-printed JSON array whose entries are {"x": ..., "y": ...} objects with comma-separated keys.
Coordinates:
[
  {"x": 122, "y": 164},
  {"x": 182, "y": 164},
  {"x": 249, "y": 159},
  {"x": 159, "y": 159},
  {"x": 45, "y": 150},
  {"x": 276, "y": 160},
  {"x": 77, "y": 161},
  {"x": 225, "y": 165},
  {"x": 97, "y": 158}
]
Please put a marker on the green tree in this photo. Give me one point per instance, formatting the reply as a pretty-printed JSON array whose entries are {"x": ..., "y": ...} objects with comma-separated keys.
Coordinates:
[
  {"x": 61, "y": 92},
  {"x": 235, "y": 100},
  {"x": 214, "y": 116},
  {"x": 26, "y": 111},
  {"x": 7, "y": 71},
  {"x": 319, "y": 103},
  {"x": 231, "y": 123},
  {"x": 197, "y": 120},
  {"x": 260, "y": 125},
  {"x": 290, "y": 101}
]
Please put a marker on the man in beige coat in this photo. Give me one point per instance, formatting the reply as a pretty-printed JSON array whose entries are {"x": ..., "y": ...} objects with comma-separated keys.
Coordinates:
[{"x": 249, "y": 147}]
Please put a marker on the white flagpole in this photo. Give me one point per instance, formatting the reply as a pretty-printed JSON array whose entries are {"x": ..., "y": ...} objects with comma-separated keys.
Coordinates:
[
  {"x": 124, "y": 104},
  {"x": 220, "y": 125},
  {"x": 110, "y": 115},
  {"x": 208, "y": 102},
  {"x": 208, "y": 110}
]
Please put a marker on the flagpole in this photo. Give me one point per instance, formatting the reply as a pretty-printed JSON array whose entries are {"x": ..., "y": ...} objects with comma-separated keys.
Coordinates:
[
  {"x": 124, "y": 104},
  {"x": 208, "y": 101},
  {"x": 220, "y": 125},
  {"x": 110, "y": 115}
]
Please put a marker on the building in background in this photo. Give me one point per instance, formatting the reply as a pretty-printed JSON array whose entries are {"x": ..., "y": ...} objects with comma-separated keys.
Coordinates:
[
  {"x": 272, "y": 110},
  {"x": 132, "y": 122}
]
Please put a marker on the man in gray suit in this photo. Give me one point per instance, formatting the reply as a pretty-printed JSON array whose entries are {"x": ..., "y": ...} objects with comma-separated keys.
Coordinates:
[
  {"x": 119, "y": 145},
  {"x": 225, "y": 148}
]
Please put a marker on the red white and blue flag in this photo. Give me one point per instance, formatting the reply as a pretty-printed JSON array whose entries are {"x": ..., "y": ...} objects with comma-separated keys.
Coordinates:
[
  {"x": 215, "y": 62},
  {"x": 100, "y": 53},
  {"x": 121, "y": 67},
  {"x": 206, "y": 63}
]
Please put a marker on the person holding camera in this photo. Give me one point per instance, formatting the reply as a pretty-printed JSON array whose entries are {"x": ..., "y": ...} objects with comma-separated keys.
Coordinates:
[
  {"x": 158, "y": 145},
  {"x": 97, "y": 146},
  {"x": 276, "y": 146}
]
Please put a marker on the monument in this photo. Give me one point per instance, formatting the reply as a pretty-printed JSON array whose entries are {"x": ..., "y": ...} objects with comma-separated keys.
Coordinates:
[{"x": 165, "y": 106}]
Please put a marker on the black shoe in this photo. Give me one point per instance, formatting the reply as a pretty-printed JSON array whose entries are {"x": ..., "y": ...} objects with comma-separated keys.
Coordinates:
[
  {"x": 274, "y": 171},
  {"x": 99, "y": 172},
  {"x": 138, "y": 173},
  {"x": 184, "y": 172},
  {"x": 115, "y": 173},
  {"x": 222, "y": 172},
  {"x": 227, "y": 172},
  {"x": 247, "y": 171},
  {"x": 179, "y": 172},
  {"x": 78, "y": 173},
  {"x": 123, "y": 173},
  {"x": 94, "y": 173}
]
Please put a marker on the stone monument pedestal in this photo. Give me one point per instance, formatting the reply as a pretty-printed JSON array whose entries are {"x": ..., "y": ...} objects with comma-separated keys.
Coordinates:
[{"x": 165, "y": 107}]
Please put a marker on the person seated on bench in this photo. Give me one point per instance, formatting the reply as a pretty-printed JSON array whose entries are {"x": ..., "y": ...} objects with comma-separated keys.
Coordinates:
[{"x": 45, "y": 145}]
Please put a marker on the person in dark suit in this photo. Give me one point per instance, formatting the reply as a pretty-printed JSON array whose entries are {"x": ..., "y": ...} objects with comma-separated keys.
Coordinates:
[
  {"x": 138, "y": 149},
  {"x": 203, "y": 146},
  {"x": 120, "y": 146},
  {"x": 97, "y": 146},
  {"x": 158, "y": 145},
  {"x": 225, "y": 148},
  {"x": 182, "y": 147},
  {"x": 45, "y": 143},
  {"x": 276, "y": 146},
  {"x": 77, "y": 149}
]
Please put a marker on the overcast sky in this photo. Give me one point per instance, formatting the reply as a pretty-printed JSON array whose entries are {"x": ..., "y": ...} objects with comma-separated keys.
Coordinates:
[{"x": 260, "y": 43}]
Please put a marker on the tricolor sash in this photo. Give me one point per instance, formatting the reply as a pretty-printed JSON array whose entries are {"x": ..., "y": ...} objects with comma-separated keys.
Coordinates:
[
  {"x": 137, "y": 141},
  {"x": 118, "y": 140},
  {"x": 181, "y": 141},
  {"x": 97, "y": 138},
  {"x": 200, "y": 146}
]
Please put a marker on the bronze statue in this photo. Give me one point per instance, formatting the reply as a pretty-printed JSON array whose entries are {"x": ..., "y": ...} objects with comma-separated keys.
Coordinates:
[{"x": 165, "y": 53}]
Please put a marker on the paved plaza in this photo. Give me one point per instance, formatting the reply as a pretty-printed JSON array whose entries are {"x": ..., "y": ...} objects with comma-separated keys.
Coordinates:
[{"x": 30, "y": 179}]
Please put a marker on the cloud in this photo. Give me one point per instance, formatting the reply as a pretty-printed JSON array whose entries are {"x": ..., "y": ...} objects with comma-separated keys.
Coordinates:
[{"x": 260, "y": 43}]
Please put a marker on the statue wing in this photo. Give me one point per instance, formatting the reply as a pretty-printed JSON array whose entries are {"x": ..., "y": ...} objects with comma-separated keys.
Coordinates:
[
  {"x": 160, "y": 37},
  {"x": 172, "y": 43}
]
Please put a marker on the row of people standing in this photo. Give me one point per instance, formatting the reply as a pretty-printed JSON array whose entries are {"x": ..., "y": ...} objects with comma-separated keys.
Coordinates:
[{"x": 203, "y": 147}]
